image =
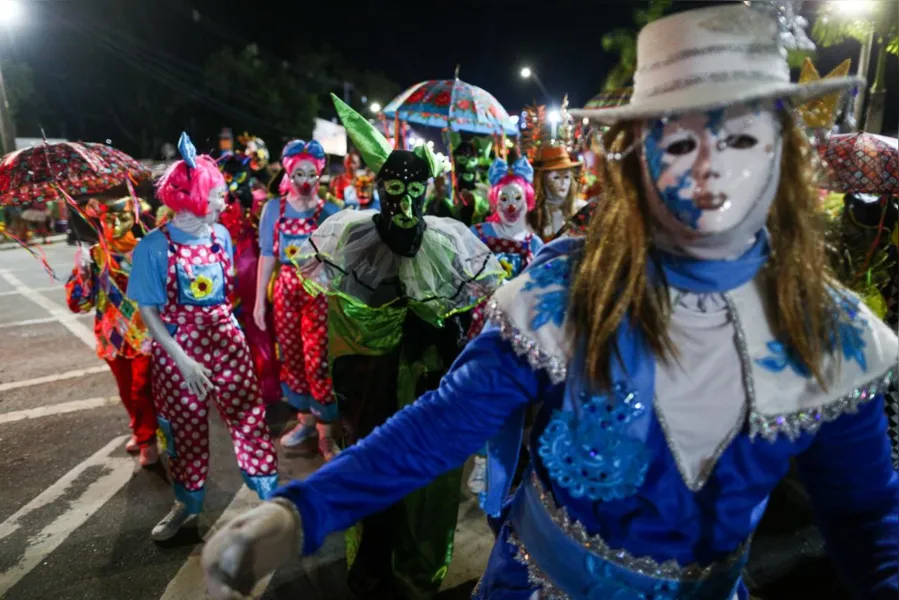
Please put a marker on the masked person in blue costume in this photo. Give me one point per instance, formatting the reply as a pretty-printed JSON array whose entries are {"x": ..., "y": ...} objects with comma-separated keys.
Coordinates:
[{"x": 685, "y": 353}]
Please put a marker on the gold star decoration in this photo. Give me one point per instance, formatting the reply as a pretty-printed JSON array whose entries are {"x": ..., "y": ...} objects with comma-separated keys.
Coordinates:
[{"x": 821, "y": 113}]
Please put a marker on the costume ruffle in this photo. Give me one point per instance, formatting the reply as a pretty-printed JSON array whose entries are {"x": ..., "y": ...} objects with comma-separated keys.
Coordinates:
[{"x": 452, "y": 271}]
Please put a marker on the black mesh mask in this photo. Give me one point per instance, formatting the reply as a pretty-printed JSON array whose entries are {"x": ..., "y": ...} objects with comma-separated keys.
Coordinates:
[
  {"x": 465, "y": 162},
  {"x": 402, "y": 183}
]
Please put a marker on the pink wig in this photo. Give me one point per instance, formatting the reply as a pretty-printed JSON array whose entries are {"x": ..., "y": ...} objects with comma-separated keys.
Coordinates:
[
  {"x": 507, "y": 179},
  {"x": 180, "y": 191},
  {"x": 290, "y": 163}
]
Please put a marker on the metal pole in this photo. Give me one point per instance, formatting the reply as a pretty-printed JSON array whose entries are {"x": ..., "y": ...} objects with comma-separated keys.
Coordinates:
[
  {"x": 864, "y": 60},
  {"x": 7, "y": 131},
  {"x": 541, "y": 86}
]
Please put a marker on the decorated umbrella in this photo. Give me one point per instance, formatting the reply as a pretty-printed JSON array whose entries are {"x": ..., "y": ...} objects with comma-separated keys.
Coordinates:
[
  {"x": 862, "y": 163},
  {"x": 34, "y": 175},
  {"x": 451, "y": 104}
]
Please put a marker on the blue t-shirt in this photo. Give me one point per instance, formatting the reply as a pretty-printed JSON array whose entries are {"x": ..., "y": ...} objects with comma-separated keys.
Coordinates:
[
  {"x": 269, "y": 220},
  {"x": 150, "y": 264}
]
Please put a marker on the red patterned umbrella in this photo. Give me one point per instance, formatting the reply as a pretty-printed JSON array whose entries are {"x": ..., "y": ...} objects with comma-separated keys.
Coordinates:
[
  {"x": 30, "y": 175},
  {"x": 862, "y": 163}
]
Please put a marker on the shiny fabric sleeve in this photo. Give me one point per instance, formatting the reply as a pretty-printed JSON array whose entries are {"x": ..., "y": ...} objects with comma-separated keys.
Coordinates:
[
  {"x": 267, "y": 223},
  {"x": 849, "y": 476},
  {"x": 437, "y": 433}
]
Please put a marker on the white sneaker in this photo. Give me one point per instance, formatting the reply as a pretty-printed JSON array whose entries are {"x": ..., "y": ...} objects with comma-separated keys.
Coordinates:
[
  {"x": 298, "y": 435},
  {"x": 477, "y": 481},
  {"x": 177, "y": 518}
]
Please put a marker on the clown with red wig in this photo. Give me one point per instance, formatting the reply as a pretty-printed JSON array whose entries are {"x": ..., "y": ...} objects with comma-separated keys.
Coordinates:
[
  {"x": 181, "y": 278},
  {"x": 301, "y": 320}
]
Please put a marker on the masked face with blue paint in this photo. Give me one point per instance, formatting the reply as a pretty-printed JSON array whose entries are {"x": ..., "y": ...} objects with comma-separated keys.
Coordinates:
[{"x": 711, "y": 177}]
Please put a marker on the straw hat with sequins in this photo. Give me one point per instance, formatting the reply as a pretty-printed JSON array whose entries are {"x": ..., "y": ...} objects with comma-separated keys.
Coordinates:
[{"x": 713, "y": 57}]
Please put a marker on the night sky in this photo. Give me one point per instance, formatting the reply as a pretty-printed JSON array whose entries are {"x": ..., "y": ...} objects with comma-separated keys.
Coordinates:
[{"x": 72, "y": 48}]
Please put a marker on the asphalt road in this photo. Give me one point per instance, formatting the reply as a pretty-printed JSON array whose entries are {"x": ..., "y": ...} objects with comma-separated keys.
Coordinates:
[{"x": 76, "y": 510}]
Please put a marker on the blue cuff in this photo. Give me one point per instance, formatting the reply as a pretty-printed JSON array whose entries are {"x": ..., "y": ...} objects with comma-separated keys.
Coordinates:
[
  {"x": 305, "y": 403},
  {"x": 263, "y": 485},
  {"x": 192, "y": 499}
]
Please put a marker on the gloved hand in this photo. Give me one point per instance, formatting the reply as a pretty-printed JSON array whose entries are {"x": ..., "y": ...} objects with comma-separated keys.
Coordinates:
[
  {"x": 83, "y": 260},
  {"x": 249, "y": 547},
  {"x": 196, "y": 376}
]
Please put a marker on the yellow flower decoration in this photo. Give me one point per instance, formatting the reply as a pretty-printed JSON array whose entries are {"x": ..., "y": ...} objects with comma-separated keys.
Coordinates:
[
  {"x": 507, "y": 266},
  {"x": 201, "y": 287},
  {"x": 291, "y": 251}
]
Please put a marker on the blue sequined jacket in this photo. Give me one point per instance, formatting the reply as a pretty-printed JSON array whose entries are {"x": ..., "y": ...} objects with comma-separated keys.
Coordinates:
[{"x": 632, "y": 528}]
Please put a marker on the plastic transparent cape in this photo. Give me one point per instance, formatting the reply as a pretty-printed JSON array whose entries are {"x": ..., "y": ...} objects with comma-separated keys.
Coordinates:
[{"x": 452, "y": 272}]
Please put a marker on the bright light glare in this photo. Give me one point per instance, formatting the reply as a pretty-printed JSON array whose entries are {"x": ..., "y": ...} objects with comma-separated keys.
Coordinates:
[
  {"x": 585, "y": 121},
  {"x": 853, "y": 8},
  {"x": 553, "y": 116},
  {"x": 430, "y": 144},
  {"x": 513, "y": 119},
  {"x": 375, "y": 107},
  {"x": 415, "y": 142},
  {"x": 10, "y": 12},
  {"x": 525, "y": 72}
]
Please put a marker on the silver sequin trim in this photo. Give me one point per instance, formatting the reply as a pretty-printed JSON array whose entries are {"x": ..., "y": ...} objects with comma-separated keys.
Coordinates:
[
  {"x": 644, "y": 565},
  {"x": 526, "y": 346},
  {"x": 772, "y": 49},
  {"x": 723, "y": 77},
  {"x": 796, "y": 423},
  {"x": 536, "y": 577}
]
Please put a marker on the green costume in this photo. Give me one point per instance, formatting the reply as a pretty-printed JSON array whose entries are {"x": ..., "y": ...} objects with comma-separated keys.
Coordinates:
[{"x": 393, "y": 333}]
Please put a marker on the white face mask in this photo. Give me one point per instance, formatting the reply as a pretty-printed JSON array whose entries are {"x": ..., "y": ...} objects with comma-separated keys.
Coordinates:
[
  {"x": 216, "y": 204},
  {"x": 711, "y": 177},
  {"x": 511, "y": 204},
  {"x": 196, "y": 226},
  {"x": 304, "y": 178},
  {"x": 557, "y": 185}
]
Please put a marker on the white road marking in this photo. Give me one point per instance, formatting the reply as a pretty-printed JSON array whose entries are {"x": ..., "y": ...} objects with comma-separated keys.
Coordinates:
[
  {"x": 28, "y": 322},
  {"x": 39, "y": 289},
  {"x": 14, "y": 385},
  {"x": 189, "y": 582},
  {"x": 118, "y": 472},
  {"x": 57, "y": 409},
  {"x": 61, "y": 314}
]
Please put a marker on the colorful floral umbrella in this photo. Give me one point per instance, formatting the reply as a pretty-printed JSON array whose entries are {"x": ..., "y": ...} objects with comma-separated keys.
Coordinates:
[
  {"x": 862, "y": 163},
  {"x": 31, "y": 175},
  {"x": 451, "y": 104}
]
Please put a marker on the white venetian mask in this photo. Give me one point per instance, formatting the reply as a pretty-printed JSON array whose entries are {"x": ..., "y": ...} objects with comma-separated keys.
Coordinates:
[
  {"x": 557, "y": 184},
  {"x": 711, "y": 169}
]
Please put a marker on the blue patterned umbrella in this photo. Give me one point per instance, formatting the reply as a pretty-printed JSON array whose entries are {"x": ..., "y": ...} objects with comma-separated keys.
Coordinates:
[{"x": 451, "y": 104}]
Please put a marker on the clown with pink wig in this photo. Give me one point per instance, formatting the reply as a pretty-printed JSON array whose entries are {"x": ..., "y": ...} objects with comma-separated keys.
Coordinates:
[
  {"x": 301, "y": 320},
  {"x": 181, "y": 278}
]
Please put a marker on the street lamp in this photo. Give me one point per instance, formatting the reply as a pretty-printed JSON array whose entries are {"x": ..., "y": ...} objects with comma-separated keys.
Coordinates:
[
  {"x": 527, "y": 73},
  {"x": 374, "y": 107},
  {"x": 553, "y": 117},
  {"x": 10, "y": 12}
]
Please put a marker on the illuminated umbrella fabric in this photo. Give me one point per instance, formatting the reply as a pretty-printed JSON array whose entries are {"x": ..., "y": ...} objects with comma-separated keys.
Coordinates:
[
  {"x": 452, "y": 104},
  {"x": 610, "y": 99},
  {"x": 30, "y": 175},
  {"x": 862, "y": 163}
]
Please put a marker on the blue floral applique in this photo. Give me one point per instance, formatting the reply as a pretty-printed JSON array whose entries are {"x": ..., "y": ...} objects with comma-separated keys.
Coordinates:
[
  {"x": 550, "y": 307},
  {"x": 782, "y": 357},
  {"x": 850, "y": 327},
  {"x": 554, "y": 272},
  {"x": 587, "y": 452}
]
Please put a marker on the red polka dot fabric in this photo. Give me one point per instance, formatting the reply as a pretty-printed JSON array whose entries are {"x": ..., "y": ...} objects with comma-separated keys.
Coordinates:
[{"x": 209, "y": 335}]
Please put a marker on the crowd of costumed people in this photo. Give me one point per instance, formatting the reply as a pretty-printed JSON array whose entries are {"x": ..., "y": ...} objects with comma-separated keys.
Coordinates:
[{"x": 629, "y": 319}]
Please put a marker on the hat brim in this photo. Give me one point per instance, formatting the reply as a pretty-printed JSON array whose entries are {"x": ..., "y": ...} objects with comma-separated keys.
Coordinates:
[
  {"x": 558, "y": 166},
  {"x": 713, "y": 96}
]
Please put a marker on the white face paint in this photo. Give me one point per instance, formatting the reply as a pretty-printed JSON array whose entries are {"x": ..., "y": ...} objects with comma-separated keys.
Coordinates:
[
  {"x": 304, "y": 178},
  {"x": 216, "y": 204},
  {"x": 557, "y": 184},
  {"x": 711, "y": 168},
  {"x": 511, "y": 203}
]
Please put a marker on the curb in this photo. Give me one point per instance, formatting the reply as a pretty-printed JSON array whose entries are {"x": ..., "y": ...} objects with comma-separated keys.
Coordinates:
[{"x": 7, "y": 244}]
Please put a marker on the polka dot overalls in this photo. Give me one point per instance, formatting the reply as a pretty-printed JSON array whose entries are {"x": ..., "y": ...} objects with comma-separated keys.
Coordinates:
[
  {"x": 513, "y": 255},
  {"x": 199, "y": 318},
  {"x": 301, "y": 323}
]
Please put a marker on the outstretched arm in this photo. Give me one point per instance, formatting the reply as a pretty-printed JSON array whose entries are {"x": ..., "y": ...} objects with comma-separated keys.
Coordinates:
[
  {"x": 848, "y": 473},
  {"x": 437, "y": 433}
]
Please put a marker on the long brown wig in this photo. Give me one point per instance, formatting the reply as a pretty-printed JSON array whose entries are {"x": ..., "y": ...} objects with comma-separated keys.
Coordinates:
[
  {"x": 611, "y": 280},
  {"x": 540, "y": 217}
]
